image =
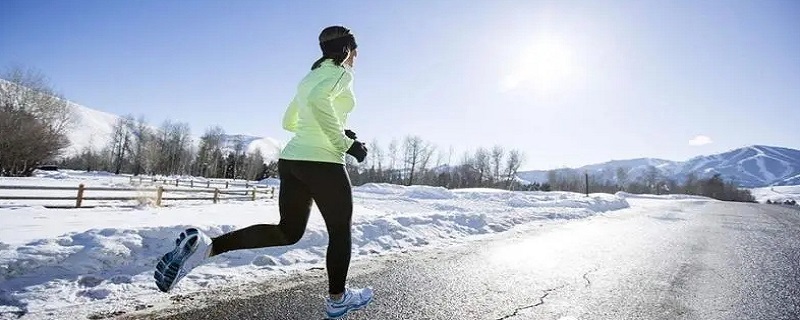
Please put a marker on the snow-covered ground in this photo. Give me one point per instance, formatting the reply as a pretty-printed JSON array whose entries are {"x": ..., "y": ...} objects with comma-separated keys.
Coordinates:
[
  {"x": 67, "y": 263},
  {"x": 626, "y": 195},
  {"x": 780, "y": 194},
  {"x": 139, "y": 193}
]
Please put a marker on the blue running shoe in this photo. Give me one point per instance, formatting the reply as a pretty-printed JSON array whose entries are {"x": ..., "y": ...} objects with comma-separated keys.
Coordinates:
[
  {"x": 353, "y": 299},
  {"x": 191, "y": 250}
]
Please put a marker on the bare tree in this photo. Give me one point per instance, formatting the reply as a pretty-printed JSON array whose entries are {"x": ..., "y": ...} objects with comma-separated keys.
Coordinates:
[
  {"x": 428, "y": 150},
  {"x": 414, "y": 151},
  {"x": 552, "y": 179},
  {"x": 120, "y": 142},
  {"x": 239, "y": 149},
  {"x": 29, "y": 90},
  {"x": 450, "y": 152},
  {"x": 33, "y": 122},
  {"x": 141, "y": 134},
  {"x": 184, "y": 148},
  {"x": 254, "y": 165},
  {"x": 513, "y": 162},
  {"x": 90, "y": 158},
  {"x": 467, "y": 175},
  {"x": 209, "y": 157},
  {"x": 622, "y": 177},
  {"x": 393, "y": 157},
  {"x": 482, "y": 165},
  {"x": 652, "y": 178},
  {"x": 376, "y": 160},
  {"x": 498, "y": 153},
  {"x": 156, "y": 153},
  {"x": 172, "y": 153}
]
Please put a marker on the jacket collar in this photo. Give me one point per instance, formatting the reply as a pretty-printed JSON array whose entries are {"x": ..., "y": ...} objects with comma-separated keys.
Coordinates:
[{"x": 329, "y": 62}]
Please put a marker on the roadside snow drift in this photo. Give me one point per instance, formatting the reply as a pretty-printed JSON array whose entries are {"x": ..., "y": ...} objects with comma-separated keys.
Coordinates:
[
  {"x": 62, "y": 263},
  {"x": 777, "y": 194},
  {"x": 626, "y": 195}
]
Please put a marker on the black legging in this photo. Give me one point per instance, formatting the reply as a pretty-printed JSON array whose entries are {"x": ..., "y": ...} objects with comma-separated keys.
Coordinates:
[{"x": 301, "y": 181}]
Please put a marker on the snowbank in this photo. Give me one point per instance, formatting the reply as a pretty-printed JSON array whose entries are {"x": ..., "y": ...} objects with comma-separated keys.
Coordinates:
[
  {"x": 626, "y": 195},
  {"x": 68, "y": 178},
  {"x": 270, "y": 182},
  {"x": 777, "y": 194},
  {"x": 91, "y": 260}
]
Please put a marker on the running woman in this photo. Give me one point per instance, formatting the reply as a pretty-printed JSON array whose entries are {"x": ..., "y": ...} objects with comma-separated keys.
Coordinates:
[{"x": 311, "y": 168}]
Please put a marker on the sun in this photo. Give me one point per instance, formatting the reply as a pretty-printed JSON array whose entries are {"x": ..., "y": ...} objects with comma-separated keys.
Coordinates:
[{"x": 547, "y": 66}]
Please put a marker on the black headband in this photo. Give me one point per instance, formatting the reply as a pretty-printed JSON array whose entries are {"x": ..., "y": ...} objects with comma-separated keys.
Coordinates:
[{"x": 339, "y": 44}]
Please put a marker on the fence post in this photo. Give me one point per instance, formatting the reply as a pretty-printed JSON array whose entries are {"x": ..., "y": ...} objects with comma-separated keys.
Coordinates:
[
  {"x": 273, "y": 193},
  {"x": 247, "y": 184},
  {"x": 587, "y": 183},
  {"x": 159, "y": 194},
  {"x": 254, "y": 194},
  {"x": 177, "y": 181},
  {"x": 216, "y": 195},
  {"x": 191, "y": 183},
  {"x": 208, "y": 183},
  {"x": 79, "y": 201},
  {"x": 226, "y": 184}
]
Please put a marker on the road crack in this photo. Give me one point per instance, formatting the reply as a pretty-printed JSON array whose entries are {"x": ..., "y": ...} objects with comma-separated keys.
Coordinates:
[
  {"x": 531, "y": 306},
  {"x": 586, "y": 277}
]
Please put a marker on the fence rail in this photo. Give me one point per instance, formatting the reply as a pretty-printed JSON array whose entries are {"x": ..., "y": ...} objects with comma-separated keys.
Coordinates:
[
  {"x": 141, "y": 180},
  {"x": 216, "y": 194}
]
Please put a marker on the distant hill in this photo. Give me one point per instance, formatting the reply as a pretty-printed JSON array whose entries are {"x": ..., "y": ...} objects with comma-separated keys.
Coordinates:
[
  {"x": 93, "y": 128},
  {"x": 751, "y": 166}
]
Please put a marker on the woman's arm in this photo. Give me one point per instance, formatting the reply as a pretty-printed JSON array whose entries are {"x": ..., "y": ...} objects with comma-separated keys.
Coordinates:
[{"x": 290, "y": 117}]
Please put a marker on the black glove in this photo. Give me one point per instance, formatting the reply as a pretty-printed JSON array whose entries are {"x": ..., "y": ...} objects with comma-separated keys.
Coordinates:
[
  {"x": 358, "y": 150},
  {"x": 350, "y": 134}
]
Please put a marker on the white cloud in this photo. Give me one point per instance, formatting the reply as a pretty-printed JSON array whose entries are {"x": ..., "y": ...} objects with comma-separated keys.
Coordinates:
[{"x": 700, "y": 140}]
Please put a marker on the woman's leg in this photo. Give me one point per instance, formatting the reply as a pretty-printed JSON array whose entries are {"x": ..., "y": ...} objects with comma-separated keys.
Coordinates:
[
  {"x": 294, "y": 202},
  {"x": 330, "y": 187}
]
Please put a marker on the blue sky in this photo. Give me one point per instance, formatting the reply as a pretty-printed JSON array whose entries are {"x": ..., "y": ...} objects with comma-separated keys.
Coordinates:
[{"x": 567, "y": 82}]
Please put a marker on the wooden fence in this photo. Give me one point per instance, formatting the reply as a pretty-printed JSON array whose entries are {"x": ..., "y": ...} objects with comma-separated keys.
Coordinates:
[
  {"x": 140, "y": 180},
  {"x": 214, "y": 195}
]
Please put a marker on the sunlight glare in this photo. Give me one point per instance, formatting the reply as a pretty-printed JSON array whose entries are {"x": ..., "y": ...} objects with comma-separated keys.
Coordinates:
[{"x": 546, "y": 66}]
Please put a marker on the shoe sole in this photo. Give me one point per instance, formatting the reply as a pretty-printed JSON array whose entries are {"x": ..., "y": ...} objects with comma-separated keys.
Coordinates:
[
  {"x": 356, "y": 308},
  {"x": 168, "y": 269}
]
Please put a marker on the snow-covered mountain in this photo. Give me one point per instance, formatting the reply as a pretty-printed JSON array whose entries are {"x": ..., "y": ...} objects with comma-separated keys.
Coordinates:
[
  {"x": 89, "y": 129},
  {"x": 270, "y": 148},
  {"x": 752, "y": 166},
  {"x": 93, "y": 129}
]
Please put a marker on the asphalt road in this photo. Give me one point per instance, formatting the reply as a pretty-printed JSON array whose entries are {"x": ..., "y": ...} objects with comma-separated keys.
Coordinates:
[{"x": 658, "y": 260}]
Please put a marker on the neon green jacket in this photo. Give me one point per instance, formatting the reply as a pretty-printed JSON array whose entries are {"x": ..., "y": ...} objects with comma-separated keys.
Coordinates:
[{"x": 318, "y": 113}]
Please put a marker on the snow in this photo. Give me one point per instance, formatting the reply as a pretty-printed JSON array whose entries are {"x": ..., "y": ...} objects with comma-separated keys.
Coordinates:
[
  {"x": 270, "y": 148},
  {"x": 69, "y": 263},
  {"x": 626, "y": 195},
  {"x": 89, "y": 129},
  {"x": 778, "y": 193},
  {"x": 71, "y": 178}
]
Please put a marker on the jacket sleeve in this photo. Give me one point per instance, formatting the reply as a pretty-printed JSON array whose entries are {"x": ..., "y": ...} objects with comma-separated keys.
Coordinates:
[
  {"x": 290, "y": 117},
  {"x": 321, "y": 101}
]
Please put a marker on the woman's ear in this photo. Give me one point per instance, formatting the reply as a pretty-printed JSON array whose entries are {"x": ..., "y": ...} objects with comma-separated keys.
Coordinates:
[{"x": 350, "y": 55}]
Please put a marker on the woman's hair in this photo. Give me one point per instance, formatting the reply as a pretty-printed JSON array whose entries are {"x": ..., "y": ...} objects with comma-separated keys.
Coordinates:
[{"x": 336, "y": 43}]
